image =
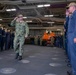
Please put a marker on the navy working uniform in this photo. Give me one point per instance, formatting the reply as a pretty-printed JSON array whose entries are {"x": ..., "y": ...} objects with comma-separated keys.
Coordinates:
[
  {"x": 3, "y": 39},
  {"x": 71, "y": 44},
  {"x": 66, "y": 28},
  {"x": 8, "y": 40},
  {"x": 0, "y": 38},
  {"x": 12, "y": 39}
]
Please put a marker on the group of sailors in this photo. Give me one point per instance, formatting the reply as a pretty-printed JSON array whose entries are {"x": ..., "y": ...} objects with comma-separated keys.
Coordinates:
[
  {"x": 53, "y": 41},
  {"x": 6, "y": 38}
]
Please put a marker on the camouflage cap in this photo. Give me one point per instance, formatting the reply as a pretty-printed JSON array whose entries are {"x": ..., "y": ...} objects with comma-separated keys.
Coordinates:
[{"x": 72, "y": 4}]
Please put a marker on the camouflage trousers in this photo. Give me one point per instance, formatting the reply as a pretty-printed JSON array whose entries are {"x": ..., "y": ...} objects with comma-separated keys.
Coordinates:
[{"x": 18, "y": 44}]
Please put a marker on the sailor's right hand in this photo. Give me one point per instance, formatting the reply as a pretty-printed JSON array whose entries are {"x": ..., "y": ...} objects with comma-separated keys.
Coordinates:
[
  {"x": 67, "y": 13},
  {"x": 15, "y": 18}
]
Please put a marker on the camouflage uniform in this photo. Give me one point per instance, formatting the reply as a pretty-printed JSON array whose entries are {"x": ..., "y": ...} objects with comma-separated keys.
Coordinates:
[{"x": 20, "y": 30}]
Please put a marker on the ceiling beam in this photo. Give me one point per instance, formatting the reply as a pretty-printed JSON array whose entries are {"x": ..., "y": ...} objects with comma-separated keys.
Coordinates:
[
  {"x": 27, "y": 7},
  {"x": 44, "y": 1},
  {"x": 30, "y": 1},
  {"x": 11, "y": 2},
  {"x": 38, "y": 13},
  {"x": 55, "y": 27}
]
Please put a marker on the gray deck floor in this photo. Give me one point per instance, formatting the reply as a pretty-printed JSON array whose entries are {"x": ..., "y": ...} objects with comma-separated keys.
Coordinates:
[{"x": 37, "y": 60}]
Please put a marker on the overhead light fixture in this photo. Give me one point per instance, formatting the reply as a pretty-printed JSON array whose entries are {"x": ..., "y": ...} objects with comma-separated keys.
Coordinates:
[
  {"x": 8, "y": 9},
  {"x": 40, "y": 6},
  {"x": 24, "y": 17},
  {"x": 51, "y": 22},
  {"x": 59, "y": 29},
  {"x": 48, "y": 15},
  {"x": 28, "y": 21},
  {"x": 51, "y": 15},
  {"x": 44, "y": 5},
  {"x": 0, "y": 19},
  {"x": 11, "y": 9}
]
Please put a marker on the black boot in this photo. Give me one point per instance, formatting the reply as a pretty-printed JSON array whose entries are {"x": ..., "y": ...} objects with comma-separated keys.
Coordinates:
[
  {"x": 69, "y": 73},
  {"x": 17, "y": 54},
  {"x": 20, "y": 57}
]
